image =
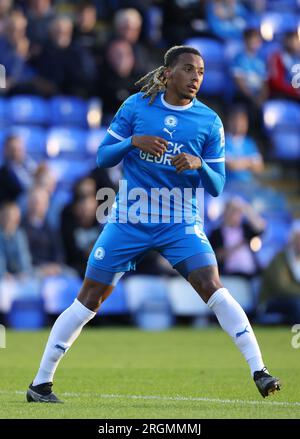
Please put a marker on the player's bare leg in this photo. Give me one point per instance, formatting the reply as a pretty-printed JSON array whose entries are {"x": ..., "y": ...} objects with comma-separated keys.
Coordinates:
[
  {"x": 234, "y": 321},
  {"x": 65, "y": 331},
  {"x": 92, "y": 294}
]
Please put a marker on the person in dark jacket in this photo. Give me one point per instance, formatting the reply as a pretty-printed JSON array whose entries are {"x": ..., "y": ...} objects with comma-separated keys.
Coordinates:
[
  {"x": 280, "y": 290},
  {"x": 68, "y": 67},
  {"x": 16, "y": 173},
  {"x": 79, "y": 226},
  {"x": 117, "y": 76},
  {"x": 44, "y": 243},
  {"x": 15, "y": 257}
]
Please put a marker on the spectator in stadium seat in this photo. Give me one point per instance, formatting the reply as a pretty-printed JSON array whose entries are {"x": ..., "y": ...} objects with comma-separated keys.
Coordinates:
[
  {"x": 44, "y": 243},
  {"x": 17, "y": 278},
  {"x": 84, "y": 187},
  {"x": 14, "y": 55},
  {"x": 243, "y": 159},
  {"x": 117, "y": 77},
  {"x": 107, "y": 8},
  {"x": 280, "y": 291},
  {"x": 249, "y": 70},
  {"x": 69, "y": 68},
  {"x": 85, "y": 33},
  {"x": 227, "y": 18},
  {"x": 127, "y": 25},
  {"x": 79, "y": 226},
  {"x": 232, "y": 239},
  {"x": 40, "y": 14},
  {"x": 257, "y": 7},
  {"x": 249, "y": 73},
  {"x": 45, "y": 178},
  {"x": 16, "y": 173},
  {"x": 280, "y": 68},
  {"x": 5, "y": 8},
  {"x": 180, "y": 19},
  {"x": 15, "y": 258}
]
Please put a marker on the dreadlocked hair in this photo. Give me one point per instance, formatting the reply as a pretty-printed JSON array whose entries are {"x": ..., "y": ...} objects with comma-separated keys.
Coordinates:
[{"x": 155, "y": 81}]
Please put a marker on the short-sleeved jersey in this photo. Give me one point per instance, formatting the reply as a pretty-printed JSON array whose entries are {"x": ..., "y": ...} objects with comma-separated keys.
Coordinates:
[
  {"x": 237, "y": 148},
  {"x": 194, "y": 129},
  {"x": 252, "y": 69}
]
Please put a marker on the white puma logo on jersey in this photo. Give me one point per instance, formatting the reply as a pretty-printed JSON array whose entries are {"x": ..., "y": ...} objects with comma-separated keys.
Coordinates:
[{"x": 169, "y": 132}]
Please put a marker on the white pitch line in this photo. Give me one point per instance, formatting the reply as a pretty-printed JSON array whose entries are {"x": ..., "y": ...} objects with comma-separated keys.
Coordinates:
[{"x": 171, "y": 398}]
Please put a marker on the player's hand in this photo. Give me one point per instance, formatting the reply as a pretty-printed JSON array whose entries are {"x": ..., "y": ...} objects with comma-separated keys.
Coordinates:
[
  {"x": 152, "y": 144},
  {"x": 185, "y": 161}
]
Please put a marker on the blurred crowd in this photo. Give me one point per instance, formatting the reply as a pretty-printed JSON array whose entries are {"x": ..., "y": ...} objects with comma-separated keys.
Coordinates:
[{"x": 99, "y": 49}]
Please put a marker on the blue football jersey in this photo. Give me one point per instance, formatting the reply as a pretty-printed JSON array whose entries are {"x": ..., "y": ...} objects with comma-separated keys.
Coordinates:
[{"x": 194, "y": 129}]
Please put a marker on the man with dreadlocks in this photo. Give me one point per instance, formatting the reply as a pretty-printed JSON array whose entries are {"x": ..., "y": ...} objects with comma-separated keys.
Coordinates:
[{"x": 167, "y": 140}]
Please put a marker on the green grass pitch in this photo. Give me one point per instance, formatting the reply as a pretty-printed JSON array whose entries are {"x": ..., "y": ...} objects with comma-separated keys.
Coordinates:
[{"x": 127, "y": 373}]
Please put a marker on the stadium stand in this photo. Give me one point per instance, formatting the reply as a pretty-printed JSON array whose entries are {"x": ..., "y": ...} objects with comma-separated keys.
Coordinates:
[
  {"x": 216, "y": 72},
  {"x": 68, "y": 111},
  {"x": 282, "y": 122},
  {"x": 62, "y": 126}
]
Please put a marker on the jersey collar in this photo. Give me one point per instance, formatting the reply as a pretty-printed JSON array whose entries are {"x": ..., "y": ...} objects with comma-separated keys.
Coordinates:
[{"x": 175, "y": 107}]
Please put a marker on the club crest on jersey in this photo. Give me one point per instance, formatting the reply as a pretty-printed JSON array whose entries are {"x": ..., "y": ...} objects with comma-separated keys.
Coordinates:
[
  {"x": 171, "y": 121},
  {"x": 99, "y": 253}
]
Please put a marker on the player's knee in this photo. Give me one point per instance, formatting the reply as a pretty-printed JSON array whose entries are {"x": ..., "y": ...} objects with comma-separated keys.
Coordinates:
[
  {"x": 205, "y": 283},
  {"x": 92, "y": 294},
  {"x": 90, "y": 300},
  {"x": 209, "y": 286}
]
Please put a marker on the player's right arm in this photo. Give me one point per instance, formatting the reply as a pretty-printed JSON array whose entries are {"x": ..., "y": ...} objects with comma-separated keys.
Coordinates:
[{"x": 120, "y": 140}]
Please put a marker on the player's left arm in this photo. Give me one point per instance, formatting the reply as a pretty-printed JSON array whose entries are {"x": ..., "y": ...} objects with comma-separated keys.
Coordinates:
[{"x": 211, "y": 166}]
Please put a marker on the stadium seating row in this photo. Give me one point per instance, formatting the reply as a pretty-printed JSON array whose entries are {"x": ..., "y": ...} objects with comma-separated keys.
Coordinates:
[
  {"x": 63, "y": 141},
  {"x": 57, "y": 142},
  {"x": 59, "y": 110},
  {"x": 153, "y": 302}
]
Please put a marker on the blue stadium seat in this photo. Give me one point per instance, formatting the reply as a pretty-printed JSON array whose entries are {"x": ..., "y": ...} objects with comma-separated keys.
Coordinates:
[
  {"x": 241, "y": 290},
  {"x": 34, "y": 139},
  {"x": 26, "y": 314},
  {"x": 274, "y": 24},
  {"x": 59, "y": 292},
  {"x": 232, "y": 49},
  {"x": 94, "y": 138},
  {"x": 147, "y": 298},
  {"x": 152, "y": 22},
  {"x": 2, "y": 111},
  {"x": 215, "y": 76},
  {"x": 67, "y": 143},
  {"x": 2, "y": 139},
  {"x": 282, "y": 5},
  {"x": 59, "y": 199},
  {"x": 26, "y": 109},
  {"x": 268, "y": 48},
  {"x": 287, "y": 145},
  {"x": 269, "y": 202},
  {"x": 281, "y": 120},
  {"x": 68, "y": 171},
  {"x": 274, "y": 239},
  {"x": 281, "y": 112},
  {"x": 187, "y": 304},
  {"x": 68, "y": 111},
  {"x": 116, "y": 303}
]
